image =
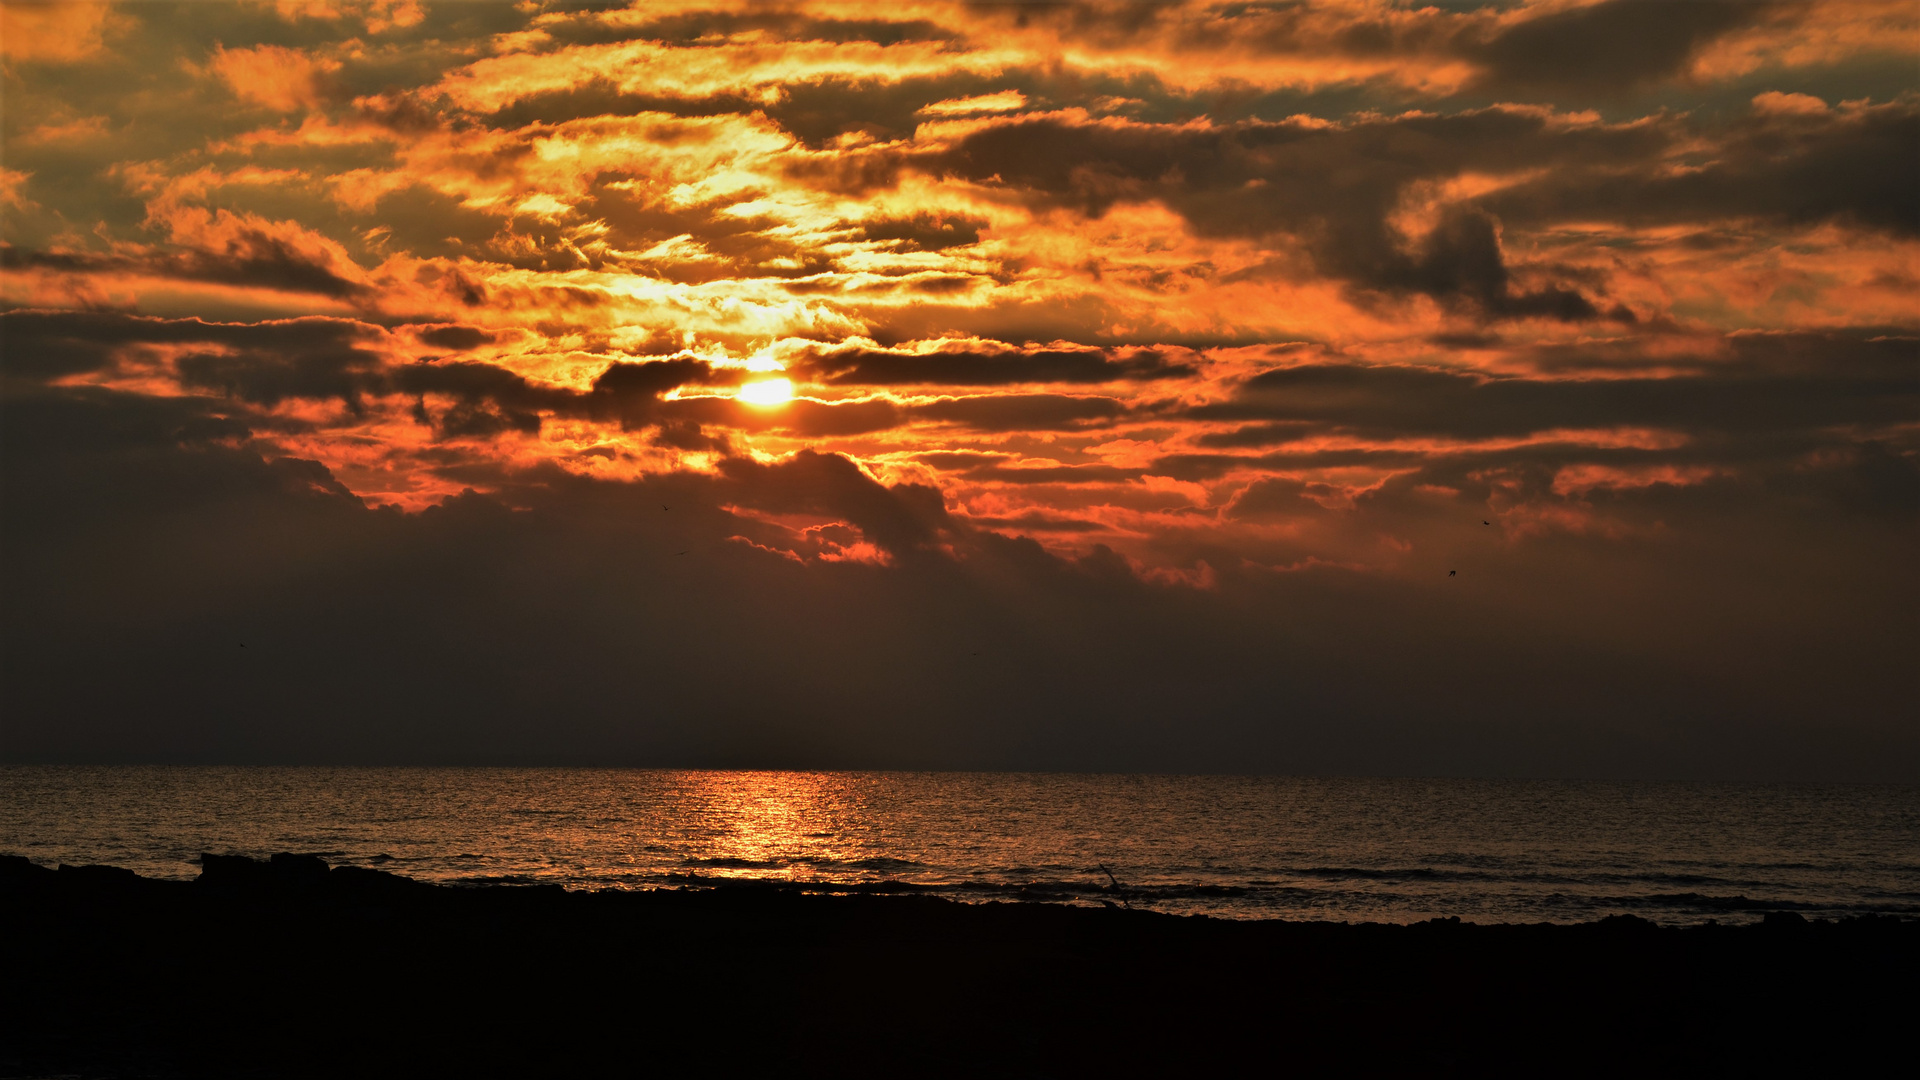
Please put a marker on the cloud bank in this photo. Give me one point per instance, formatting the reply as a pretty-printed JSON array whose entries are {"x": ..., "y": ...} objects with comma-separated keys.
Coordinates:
[{"x": 1526, "y": 389}]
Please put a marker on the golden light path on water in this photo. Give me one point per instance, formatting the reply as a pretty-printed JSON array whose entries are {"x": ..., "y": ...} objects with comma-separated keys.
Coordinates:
[{"x": 779, "y": 825}]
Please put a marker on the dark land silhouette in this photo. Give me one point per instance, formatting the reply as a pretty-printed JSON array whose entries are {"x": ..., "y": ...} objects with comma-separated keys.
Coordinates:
[{"x": 289, "y": 968}]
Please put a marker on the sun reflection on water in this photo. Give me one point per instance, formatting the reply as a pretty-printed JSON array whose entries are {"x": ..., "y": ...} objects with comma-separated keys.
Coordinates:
[
  {"x": 771, "y": 818},
  {"x": 770, "y": 825}
]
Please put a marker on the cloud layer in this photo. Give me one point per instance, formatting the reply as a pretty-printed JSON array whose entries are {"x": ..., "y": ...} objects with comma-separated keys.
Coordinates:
[{"x": 1346, "y": 386}]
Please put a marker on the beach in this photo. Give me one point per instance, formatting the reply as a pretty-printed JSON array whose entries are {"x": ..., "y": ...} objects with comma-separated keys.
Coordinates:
[{"x": 286, "y": 967}]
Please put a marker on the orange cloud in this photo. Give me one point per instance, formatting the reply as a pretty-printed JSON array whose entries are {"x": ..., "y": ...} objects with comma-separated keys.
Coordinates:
[
  {"x": 1074, "y": 273},
  {"x": 1581, "y": 479},
  {"x": 286, "y": 80},
  {"x": 57, "y": 32}
]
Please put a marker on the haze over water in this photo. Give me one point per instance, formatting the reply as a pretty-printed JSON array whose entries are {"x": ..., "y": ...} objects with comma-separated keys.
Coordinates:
[{"x": 1245, "y": 847}]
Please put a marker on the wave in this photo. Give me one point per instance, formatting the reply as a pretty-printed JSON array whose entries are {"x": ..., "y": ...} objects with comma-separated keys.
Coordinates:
[
  {"x": 1272, "y": 896},
  {"x": 878, "y": 864},
  {"x": 500, "y": 879},
  {"x": 708, "y": 881}
]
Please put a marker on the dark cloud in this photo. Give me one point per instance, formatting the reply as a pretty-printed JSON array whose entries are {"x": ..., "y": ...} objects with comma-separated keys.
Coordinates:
[
  {"x": 1610, "y": 47},
  {"x": 1336, "y": 188},
  {"x": 1871, "y": 477},
  {"x": 1604, "y": 49},
  {"x": 925, "y": 231},
  {"x": 488, "y": 401},
  {"x": 819, "y": 419},
  {"x": 1333, "y": 187},
  {"x": 323, "y": 359},
  {"x": 772, "y": 21},
  {"x": 1857, "y": 166},
  {"x": 457, "y": 338},
  {"x": 975, "y": 366},
  {"x": 263, "y": 378},
  {"x": 46, "y": 344},
  {"x": 1023, "y": 412},
  {"x": 1039, "y": 522},
  {"x": 146, "y": 538},
  {"x": 1461, "y": 258},
  {"x": 687, "y": 435},
  {"x": 491, "y": 399},
  {"x": 1050, "y": 474},
  {"x": 1281, "y": 497},
  {"x": 1257, "y": 435},
  {"x": 900, "y": 518},
  {"x": 600, "y": 97},
  {"x": 251, "y": 258},
  {"x": 1773, "y": 384},
  {"x": 1204, "y": 467}
]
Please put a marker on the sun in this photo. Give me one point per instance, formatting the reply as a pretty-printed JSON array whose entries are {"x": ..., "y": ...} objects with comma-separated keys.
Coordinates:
[{"x": 767, "y": 392}]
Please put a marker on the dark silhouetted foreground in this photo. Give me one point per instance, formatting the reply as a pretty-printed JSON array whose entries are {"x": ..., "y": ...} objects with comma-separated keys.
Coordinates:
[{"x": 289, "y": 968}]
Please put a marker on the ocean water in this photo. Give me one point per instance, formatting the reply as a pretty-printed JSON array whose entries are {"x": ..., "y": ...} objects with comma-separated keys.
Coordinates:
[{"x": 1352, "y": 850}]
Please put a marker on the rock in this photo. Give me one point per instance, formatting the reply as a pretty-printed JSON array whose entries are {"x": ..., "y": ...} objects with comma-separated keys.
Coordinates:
[
  {"x": 360, "y": 881},
  {"x": 20, "y": 870},
  {"x": 234, "y": 872},
  {"x": 111, "y": 876},
  {"x": 299, "y": 871},
  {"x": 282, "y": 871},
  {"x": 1625, "y": 924}
]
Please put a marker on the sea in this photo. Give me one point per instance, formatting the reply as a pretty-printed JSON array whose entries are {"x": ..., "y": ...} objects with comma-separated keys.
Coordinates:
[{"x": 1244, "y": 847}]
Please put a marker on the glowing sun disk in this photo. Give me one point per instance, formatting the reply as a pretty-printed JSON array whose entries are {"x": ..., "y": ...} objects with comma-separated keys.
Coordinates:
[{"x": 767, "y": 392}]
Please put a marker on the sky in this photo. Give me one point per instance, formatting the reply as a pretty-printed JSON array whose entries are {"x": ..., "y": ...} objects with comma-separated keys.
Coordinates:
[{"x": 1509, "y": 389}]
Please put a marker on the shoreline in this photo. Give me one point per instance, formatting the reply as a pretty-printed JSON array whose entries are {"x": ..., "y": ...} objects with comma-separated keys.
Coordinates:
[
  {"x": 1210, "y": 900},
  {"x": 288, "y": 967}
]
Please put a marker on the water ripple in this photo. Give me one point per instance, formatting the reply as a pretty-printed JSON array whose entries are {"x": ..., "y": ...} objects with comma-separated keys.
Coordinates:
[{"x": 1246, "y": 847}]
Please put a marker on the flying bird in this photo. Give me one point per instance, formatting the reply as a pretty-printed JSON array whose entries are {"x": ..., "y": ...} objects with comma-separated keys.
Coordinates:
[
  {"x": 1451, "y": 573},
  {"x": 1486, "y": 523}
]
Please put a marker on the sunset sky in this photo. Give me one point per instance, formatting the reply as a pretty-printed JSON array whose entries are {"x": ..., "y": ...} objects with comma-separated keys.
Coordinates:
[{"x": 1502, "y": 389}]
